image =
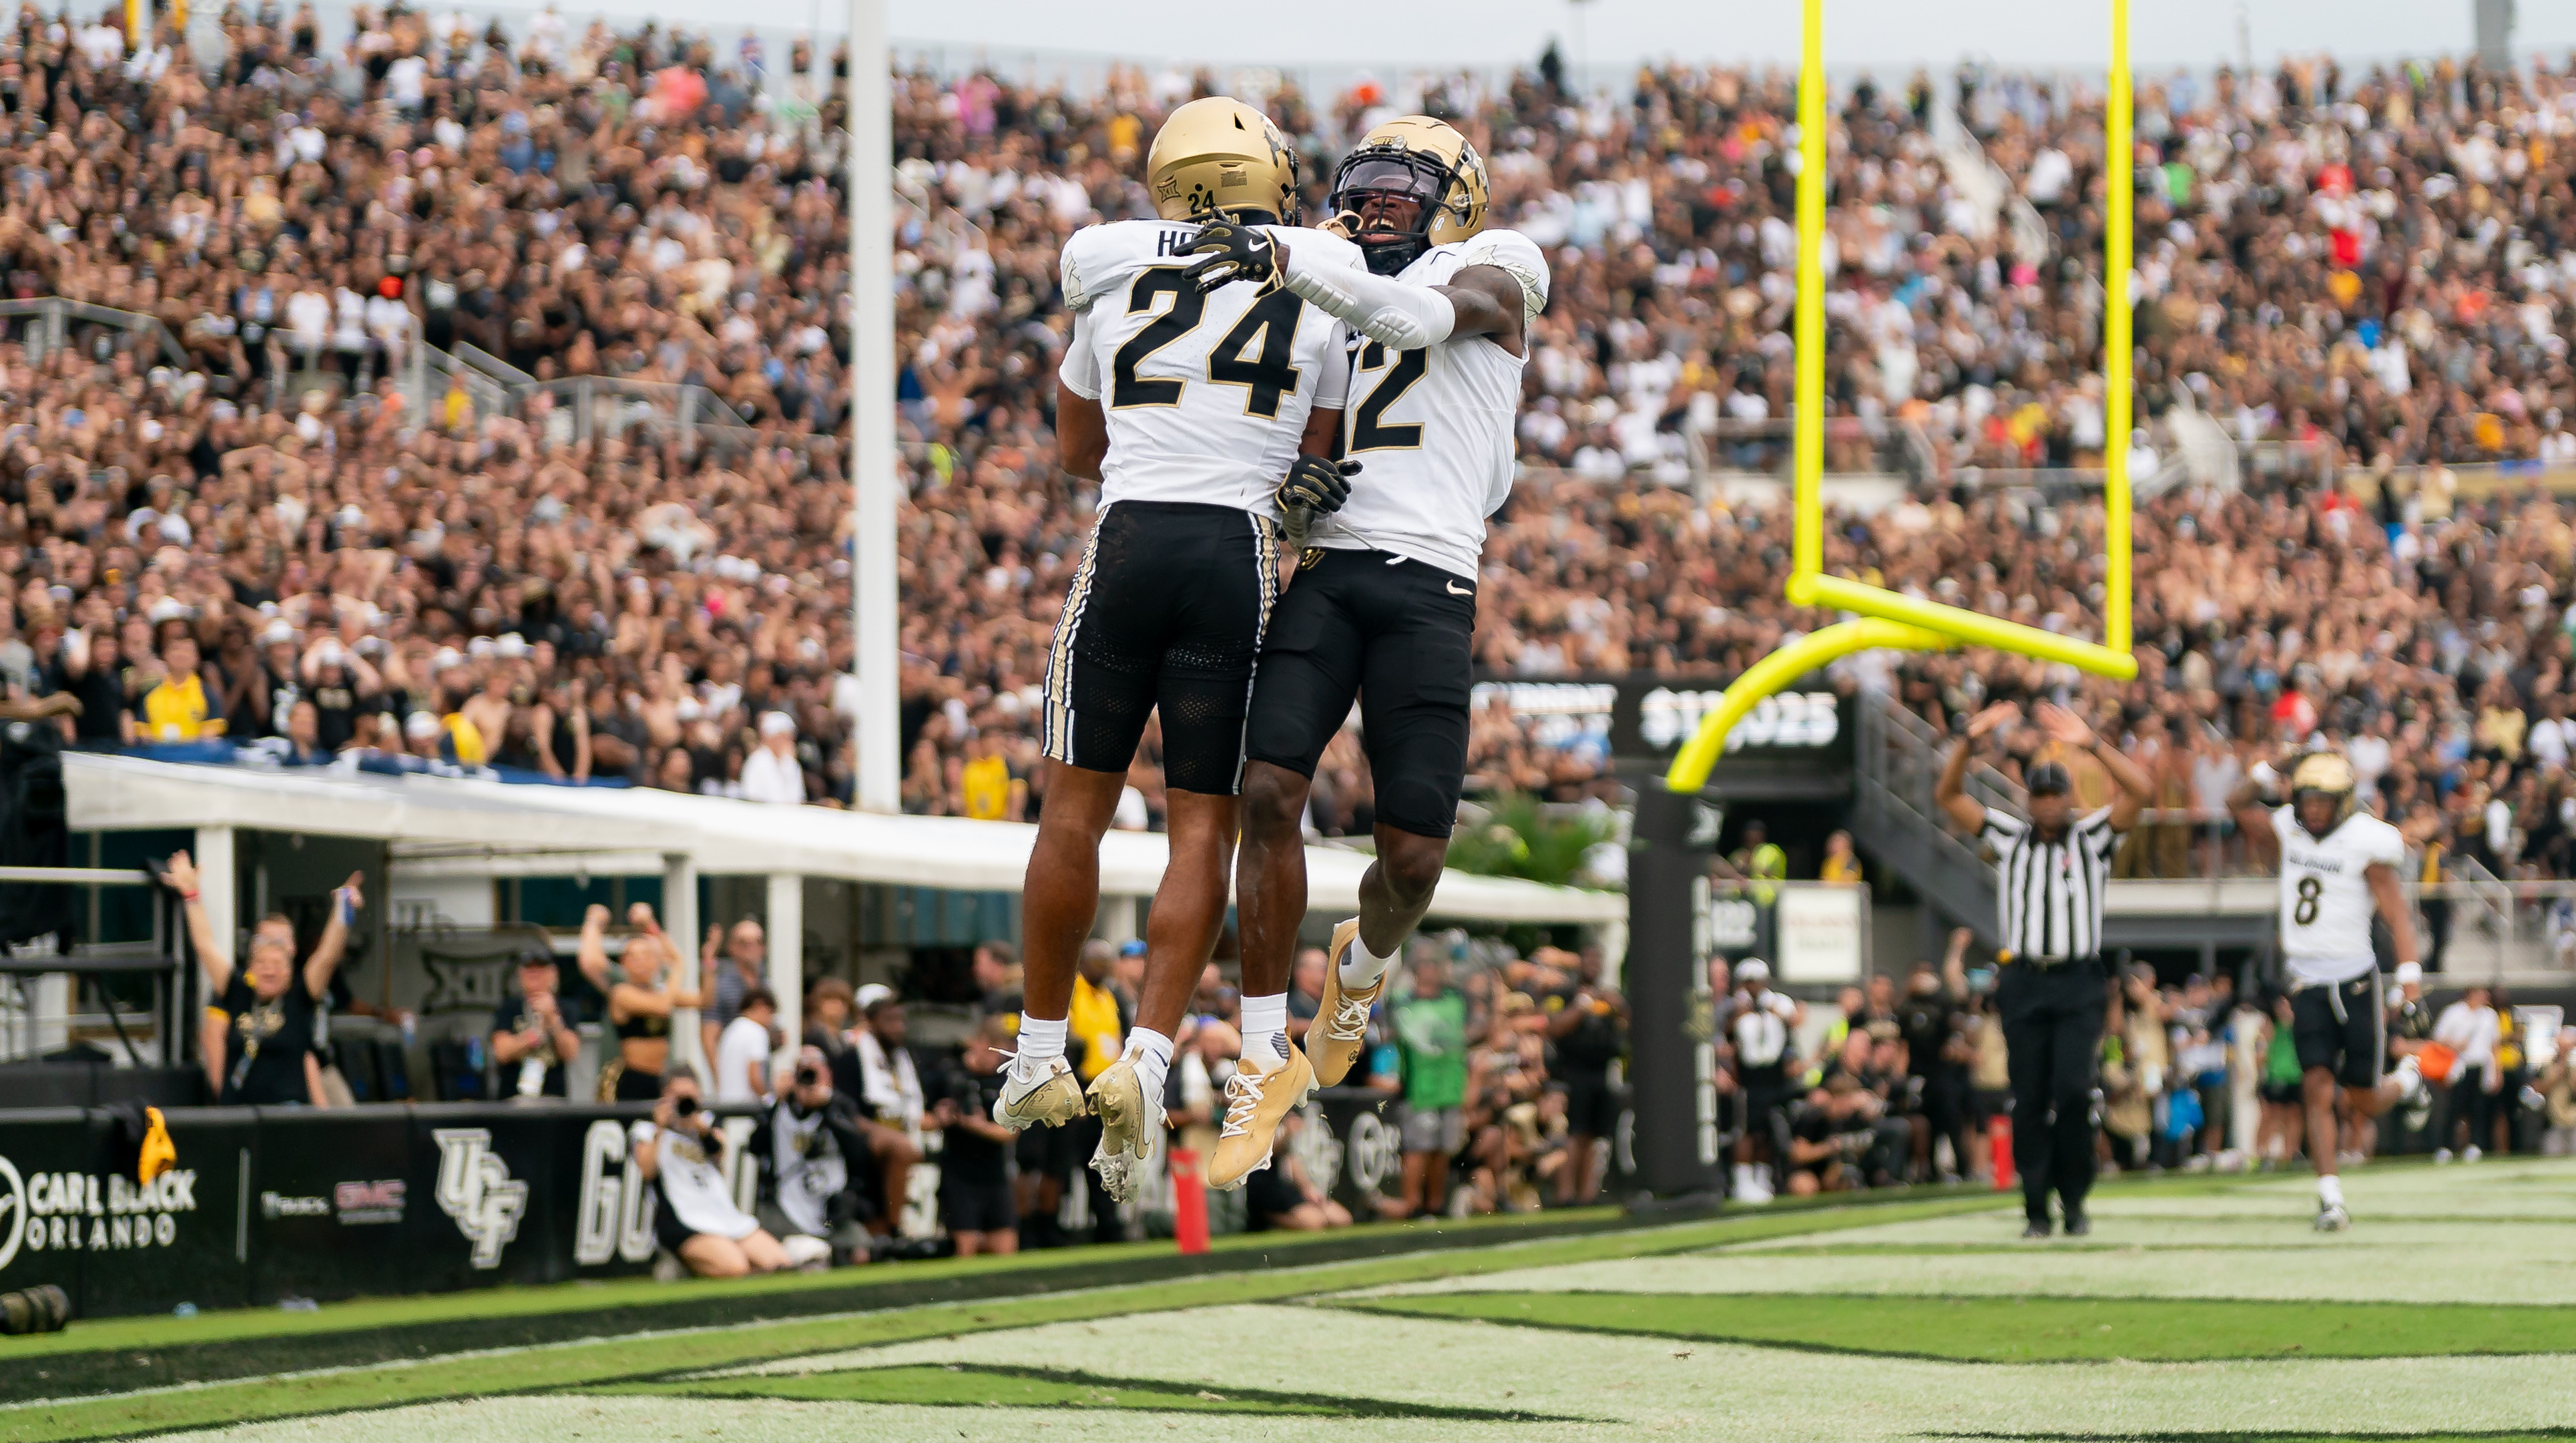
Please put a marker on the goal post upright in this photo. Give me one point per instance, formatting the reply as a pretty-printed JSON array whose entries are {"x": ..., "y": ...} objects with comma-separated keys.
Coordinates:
[
  {"x": 1807, "y": 416},
  {"x": 2119, "y": 198},
  {"x": 1887, "y": 618}
]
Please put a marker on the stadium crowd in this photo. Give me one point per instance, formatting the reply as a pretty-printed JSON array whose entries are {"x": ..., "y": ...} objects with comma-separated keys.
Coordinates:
[{"x": 274, "y": 542}]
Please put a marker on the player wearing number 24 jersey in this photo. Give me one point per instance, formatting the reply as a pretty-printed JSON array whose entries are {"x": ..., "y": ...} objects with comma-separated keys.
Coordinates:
[
  {"x": 1383, "y": 605},
  {"x": 2339, "y": 869},
  {"x": 1197, "y": 409}
]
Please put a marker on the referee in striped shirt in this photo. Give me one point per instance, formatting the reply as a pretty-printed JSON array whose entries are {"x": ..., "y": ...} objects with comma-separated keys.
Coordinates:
[{"x": 2050, "y": 874}]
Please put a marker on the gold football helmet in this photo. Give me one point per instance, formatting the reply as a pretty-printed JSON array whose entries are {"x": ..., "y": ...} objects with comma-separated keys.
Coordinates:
[
  {"x": 1221, "y": 156},
  {"x": 1422, "y": 159},
  {"x": 2330, "y": 774}
]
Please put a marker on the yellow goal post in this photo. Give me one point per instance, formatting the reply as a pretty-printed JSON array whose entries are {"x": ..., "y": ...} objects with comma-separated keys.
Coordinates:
[{"x": 1888, "y": 618}]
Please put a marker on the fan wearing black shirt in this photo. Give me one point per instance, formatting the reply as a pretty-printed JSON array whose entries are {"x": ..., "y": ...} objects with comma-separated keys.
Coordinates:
[
  {"x": 531, "y": 1039},
  {"x": 95, "y": 674},
  {"x": 1588, "y": 1028},
  {"x": 1872, "y": 1093},
  {"x": 975, "y": 1202},
  {"x": 1934, "y": 1030},
  {"x": 1831, "y": 1134},
  {"x": 265, "y": 1053}
]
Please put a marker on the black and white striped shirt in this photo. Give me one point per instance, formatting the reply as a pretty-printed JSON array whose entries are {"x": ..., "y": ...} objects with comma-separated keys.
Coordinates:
[{"x": 2050, "y": 893}]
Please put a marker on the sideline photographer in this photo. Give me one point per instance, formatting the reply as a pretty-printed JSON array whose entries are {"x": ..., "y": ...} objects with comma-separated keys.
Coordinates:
[
  {"x": 682, "y": 1151},
  {"x": 823, "y": 1170}
]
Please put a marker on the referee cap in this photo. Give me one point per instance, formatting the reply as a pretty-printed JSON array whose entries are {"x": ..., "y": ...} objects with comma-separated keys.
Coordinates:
[
  {"x": 2049, "y": 779},
  {"x": 1752, "y": 969}
]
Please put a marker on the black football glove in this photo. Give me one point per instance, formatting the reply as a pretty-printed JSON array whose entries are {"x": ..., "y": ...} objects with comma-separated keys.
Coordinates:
[
  {"x": 1316, "y": 486},
  {"x": 1230, "y": 250}
]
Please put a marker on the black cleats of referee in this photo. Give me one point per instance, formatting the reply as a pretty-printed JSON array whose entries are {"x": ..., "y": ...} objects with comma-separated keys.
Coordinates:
[
  {"x": 2037, "y": 1228},
  {"x": 2078, "y": 1225}
]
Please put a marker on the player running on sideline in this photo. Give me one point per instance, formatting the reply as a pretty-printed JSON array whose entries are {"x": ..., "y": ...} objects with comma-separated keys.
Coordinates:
[
  {"x": 1383, "y": 606},
  {"x": 1188, "y": 407},
  {"x": 2337, "y": 867}
]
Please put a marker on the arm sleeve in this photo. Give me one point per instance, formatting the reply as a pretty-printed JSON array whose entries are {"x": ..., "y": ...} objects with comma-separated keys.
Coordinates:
[
  {"x": 2000, "y": 827},
  {"x": 1519, "y": 256},
  {"x": 1397, "y": 314},
  {"x": 1333, "y": 387},
  {"x": 1080, "y": 371}
]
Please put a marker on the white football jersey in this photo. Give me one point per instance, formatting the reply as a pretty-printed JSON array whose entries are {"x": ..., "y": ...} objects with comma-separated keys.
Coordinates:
[
  {"x": 1206, "y": 395},
  {"x": 2326, "y": 906},
  {"x": 1432, "y": 430}
]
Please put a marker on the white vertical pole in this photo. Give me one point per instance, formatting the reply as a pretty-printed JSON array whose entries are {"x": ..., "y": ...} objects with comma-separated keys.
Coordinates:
[
  {"x": 680, "y": 924},
  {"x": 875, "y": 655},
  {"x": 787, "y": 964},
  {"x": 1117, "y": 920},
  {"x": 219, "y": 889}
]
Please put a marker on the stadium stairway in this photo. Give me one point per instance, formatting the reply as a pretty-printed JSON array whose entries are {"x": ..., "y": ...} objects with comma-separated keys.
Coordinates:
[{"x": 1897, "y": 760}]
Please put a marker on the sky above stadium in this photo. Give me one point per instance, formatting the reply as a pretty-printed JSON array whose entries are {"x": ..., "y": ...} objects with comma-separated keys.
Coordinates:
[{"x": 1881, "y": 33}]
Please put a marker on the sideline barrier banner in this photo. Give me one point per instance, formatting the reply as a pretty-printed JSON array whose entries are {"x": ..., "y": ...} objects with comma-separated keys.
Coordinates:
[{"x": 267, "y": 1204}]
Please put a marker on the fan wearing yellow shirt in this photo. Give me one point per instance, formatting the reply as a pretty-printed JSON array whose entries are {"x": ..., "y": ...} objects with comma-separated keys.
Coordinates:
[
  {"x": 987, "y": 790},
  {"x": 182, "y": 708},
  {"x": 1095, "y": 1020},
  {"x": 1841, "y": 863}
]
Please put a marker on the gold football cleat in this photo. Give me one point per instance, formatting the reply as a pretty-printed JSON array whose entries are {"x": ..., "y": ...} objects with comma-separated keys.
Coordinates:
[
  {"x": 1255, "y": 1104},
  {"x": 1341, "y": 1019}
]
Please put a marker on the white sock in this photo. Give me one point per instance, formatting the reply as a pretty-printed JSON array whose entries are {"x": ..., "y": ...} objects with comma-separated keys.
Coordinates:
[
  {"x": 1153, "y": 1054},
  {"x": 1362, "y": 967},
  {"x": 2330, "y": 1190},
  {"x": 2409, "y": 1075},
  {"x": 1041, "y": 1041},
  {"x": 1265, "y": 1031}
]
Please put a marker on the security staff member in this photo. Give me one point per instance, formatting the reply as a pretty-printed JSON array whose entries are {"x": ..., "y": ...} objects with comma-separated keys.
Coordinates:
[{"x": 2050, "y": 874}]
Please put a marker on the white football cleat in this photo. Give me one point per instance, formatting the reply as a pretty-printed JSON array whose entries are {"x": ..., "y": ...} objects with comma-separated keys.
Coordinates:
[
  {"x": 1033, "y": 1094},
  {"x": 2331, "y": 1218},
  {"x": 1129, "y": 1123}
]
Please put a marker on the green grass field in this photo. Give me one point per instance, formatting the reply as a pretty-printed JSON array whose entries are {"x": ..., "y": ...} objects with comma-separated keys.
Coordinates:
[{"x": 2201, "y": 1310}]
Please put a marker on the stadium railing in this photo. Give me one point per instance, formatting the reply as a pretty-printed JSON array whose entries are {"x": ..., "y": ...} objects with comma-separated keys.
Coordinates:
[{"x": 50, "y": 319}]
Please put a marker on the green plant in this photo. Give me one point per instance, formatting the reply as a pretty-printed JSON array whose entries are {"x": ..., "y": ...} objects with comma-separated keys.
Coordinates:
[{"x": 1519, "y": 837}]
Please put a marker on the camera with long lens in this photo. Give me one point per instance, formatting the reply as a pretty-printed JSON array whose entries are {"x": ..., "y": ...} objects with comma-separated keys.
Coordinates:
[
  {"x": 809, "y": 1076},
  {"x": 684, "y": 1106}
]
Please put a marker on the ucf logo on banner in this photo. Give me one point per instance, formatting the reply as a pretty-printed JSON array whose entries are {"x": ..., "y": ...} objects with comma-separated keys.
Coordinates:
[{"x": 476, "y": 1189}]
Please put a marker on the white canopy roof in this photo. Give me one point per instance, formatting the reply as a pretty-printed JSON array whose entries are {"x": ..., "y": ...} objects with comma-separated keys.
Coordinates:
[{"x": 451, "y": 824}]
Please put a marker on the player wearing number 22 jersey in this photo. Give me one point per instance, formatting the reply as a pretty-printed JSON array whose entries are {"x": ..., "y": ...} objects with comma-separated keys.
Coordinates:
[
  {"x": 2339, "y": 869},
  {"x": 1382, "y": 608},
  {"x": 1191, "y": 404}
]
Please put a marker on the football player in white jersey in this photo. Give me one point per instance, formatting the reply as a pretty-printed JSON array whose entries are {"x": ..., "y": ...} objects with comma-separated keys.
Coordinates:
[
  {"x": 1189, "y": 407},
  {"x": 2338, "y": 869},
  {"x": 1383, "y": 605}
]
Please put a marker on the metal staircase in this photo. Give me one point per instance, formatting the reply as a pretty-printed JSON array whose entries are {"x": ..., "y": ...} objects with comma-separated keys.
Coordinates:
[{"x": 1896, "y": 760}]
